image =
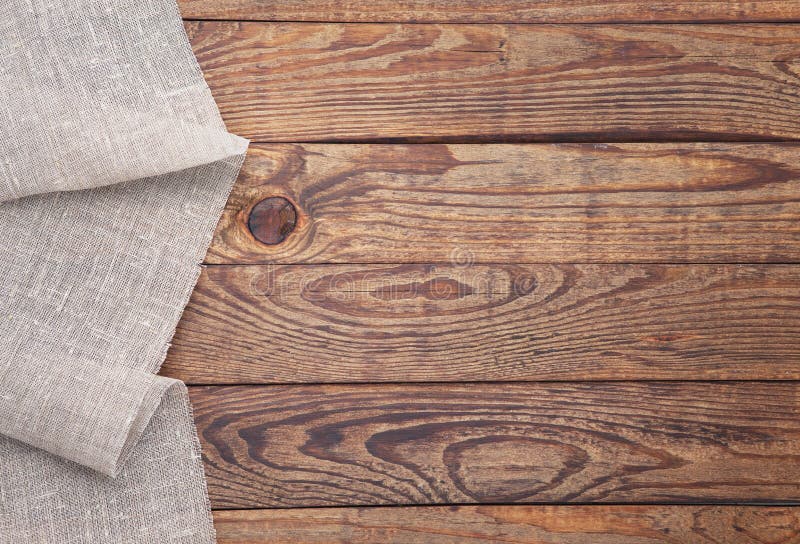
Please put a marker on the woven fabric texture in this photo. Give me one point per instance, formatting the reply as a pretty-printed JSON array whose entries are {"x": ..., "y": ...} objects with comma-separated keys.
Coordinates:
[{"x": 114, "y": 168}]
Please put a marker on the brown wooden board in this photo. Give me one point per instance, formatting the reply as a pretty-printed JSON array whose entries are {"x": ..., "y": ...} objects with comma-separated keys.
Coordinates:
[
  {"x": 576, "y": 203},
  {"x": 496, "y": 11},
  {"x": 498, "y": 264},
  {"x": 512, "y": 524},
  {"x": 301, "y": 82},
  {"x": 357, "y": 323},
  {"x": 649, "y": 442}
]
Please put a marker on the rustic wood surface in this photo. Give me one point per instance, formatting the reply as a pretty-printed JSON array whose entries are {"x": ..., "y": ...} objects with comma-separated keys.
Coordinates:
[
  {"x": 572, "y": 203},
  {"x": 356, "y": 323},
  {"x": 512, "y": 524},
  {"x": 347, "y": 254},
  {"x": 646, "y": 442},
  {"x": 494, "y": 11},
  {"x": 302, "y": 82}
]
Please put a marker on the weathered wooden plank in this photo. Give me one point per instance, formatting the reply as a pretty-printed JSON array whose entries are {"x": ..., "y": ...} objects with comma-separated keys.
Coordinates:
[
  {"x": 351, "y": 323},
  {"x": 646, "y": 442},
  {"x": 530, "y": 524},
  {"x": 494, "y": 11},
  {"x": 718, "y": 202},
  {"x": 299, "y": 82}
]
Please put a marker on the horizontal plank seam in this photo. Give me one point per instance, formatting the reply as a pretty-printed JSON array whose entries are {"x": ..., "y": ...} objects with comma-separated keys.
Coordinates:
[
  {"x": 760, "y": 504},
  {"x": 598, "y": 505},
  {"x": 507, "y": 263},
  {"x": 525, "y": 139},
  {"x": 577, "y": 141},
  {"x": 501, "y": 22},
  {"x": 510, "y": 143},
  {"x": 494, "y": 382}
]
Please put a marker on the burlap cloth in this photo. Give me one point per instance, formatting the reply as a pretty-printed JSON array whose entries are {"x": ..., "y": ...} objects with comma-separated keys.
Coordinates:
[{"x": 114, "y": 168}]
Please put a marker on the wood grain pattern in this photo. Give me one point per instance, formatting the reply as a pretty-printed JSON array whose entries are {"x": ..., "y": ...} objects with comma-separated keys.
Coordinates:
[
  {"x": 718, "y": 202},
  {"x": 474, "y": 310},
  {"x": 351, "y": 323},
  {"x": 493, "y": 11},
  {"x": 512, "y": 524},
  {"x": 684, "y": 442},
  {"x": 302, "y": 82}
]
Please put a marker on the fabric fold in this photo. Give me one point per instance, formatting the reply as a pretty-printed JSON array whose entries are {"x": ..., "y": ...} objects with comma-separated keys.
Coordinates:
[
  {"x": 81, "y": 139},
  {"x": 158, "y": 495},
  {"x": 115, "y": 166},
  {"x": 116, "y": 99},
  {"x": 89, "y": 413}
]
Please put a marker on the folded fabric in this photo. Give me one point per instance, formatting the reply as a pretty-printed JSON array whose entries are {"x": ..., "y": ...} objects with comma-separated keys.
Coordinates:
[{"x": 114, "y": 169}]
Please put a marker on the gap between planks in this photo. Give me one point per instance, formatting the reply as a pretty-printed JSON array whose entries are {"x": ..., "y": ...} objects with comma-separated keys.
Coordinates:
[{"x": 493, "y": 11}]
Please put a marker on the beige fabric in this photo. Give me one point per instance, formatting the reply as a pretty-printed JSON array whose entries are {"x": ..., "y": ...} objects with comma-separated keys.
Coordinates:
[{"x": 114, "y": 168}]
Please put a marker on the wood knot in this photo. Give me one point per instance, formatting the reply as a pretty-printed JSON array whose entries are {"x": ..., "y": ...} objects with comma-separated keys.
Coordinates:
[{"x": 272, "y": 220}]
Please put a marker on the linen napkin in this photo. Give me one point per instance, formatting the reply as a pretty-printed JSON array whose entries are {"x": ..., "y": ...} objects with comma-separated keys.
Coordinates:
[{"x": 114, "y": 168}]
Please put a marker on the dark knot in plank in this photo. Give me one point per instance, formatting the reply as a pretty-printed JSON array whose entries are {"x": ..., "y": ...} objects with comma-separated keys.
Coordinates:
[{"x": 272, "y": 220}]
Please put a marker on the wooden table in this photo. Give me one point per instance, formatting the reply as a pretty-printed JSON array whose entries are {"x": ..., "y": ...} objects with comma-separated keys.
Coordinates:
[{"x": 502, "y": 271}]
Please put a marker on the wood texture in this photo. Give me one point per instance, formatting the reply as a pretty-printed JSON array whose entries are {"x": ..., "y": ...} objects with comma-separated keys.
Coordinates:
[
  {"x": 462, "y": 301},
  {"x": 493, "y": 11},
  {"x": 512, "y": 524},
  {"x": 572, "y": 203},
  {"x": 351, "y": 323},
  {"x": 684, "y": 442},
  {"x": 302, "y": 82}
]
